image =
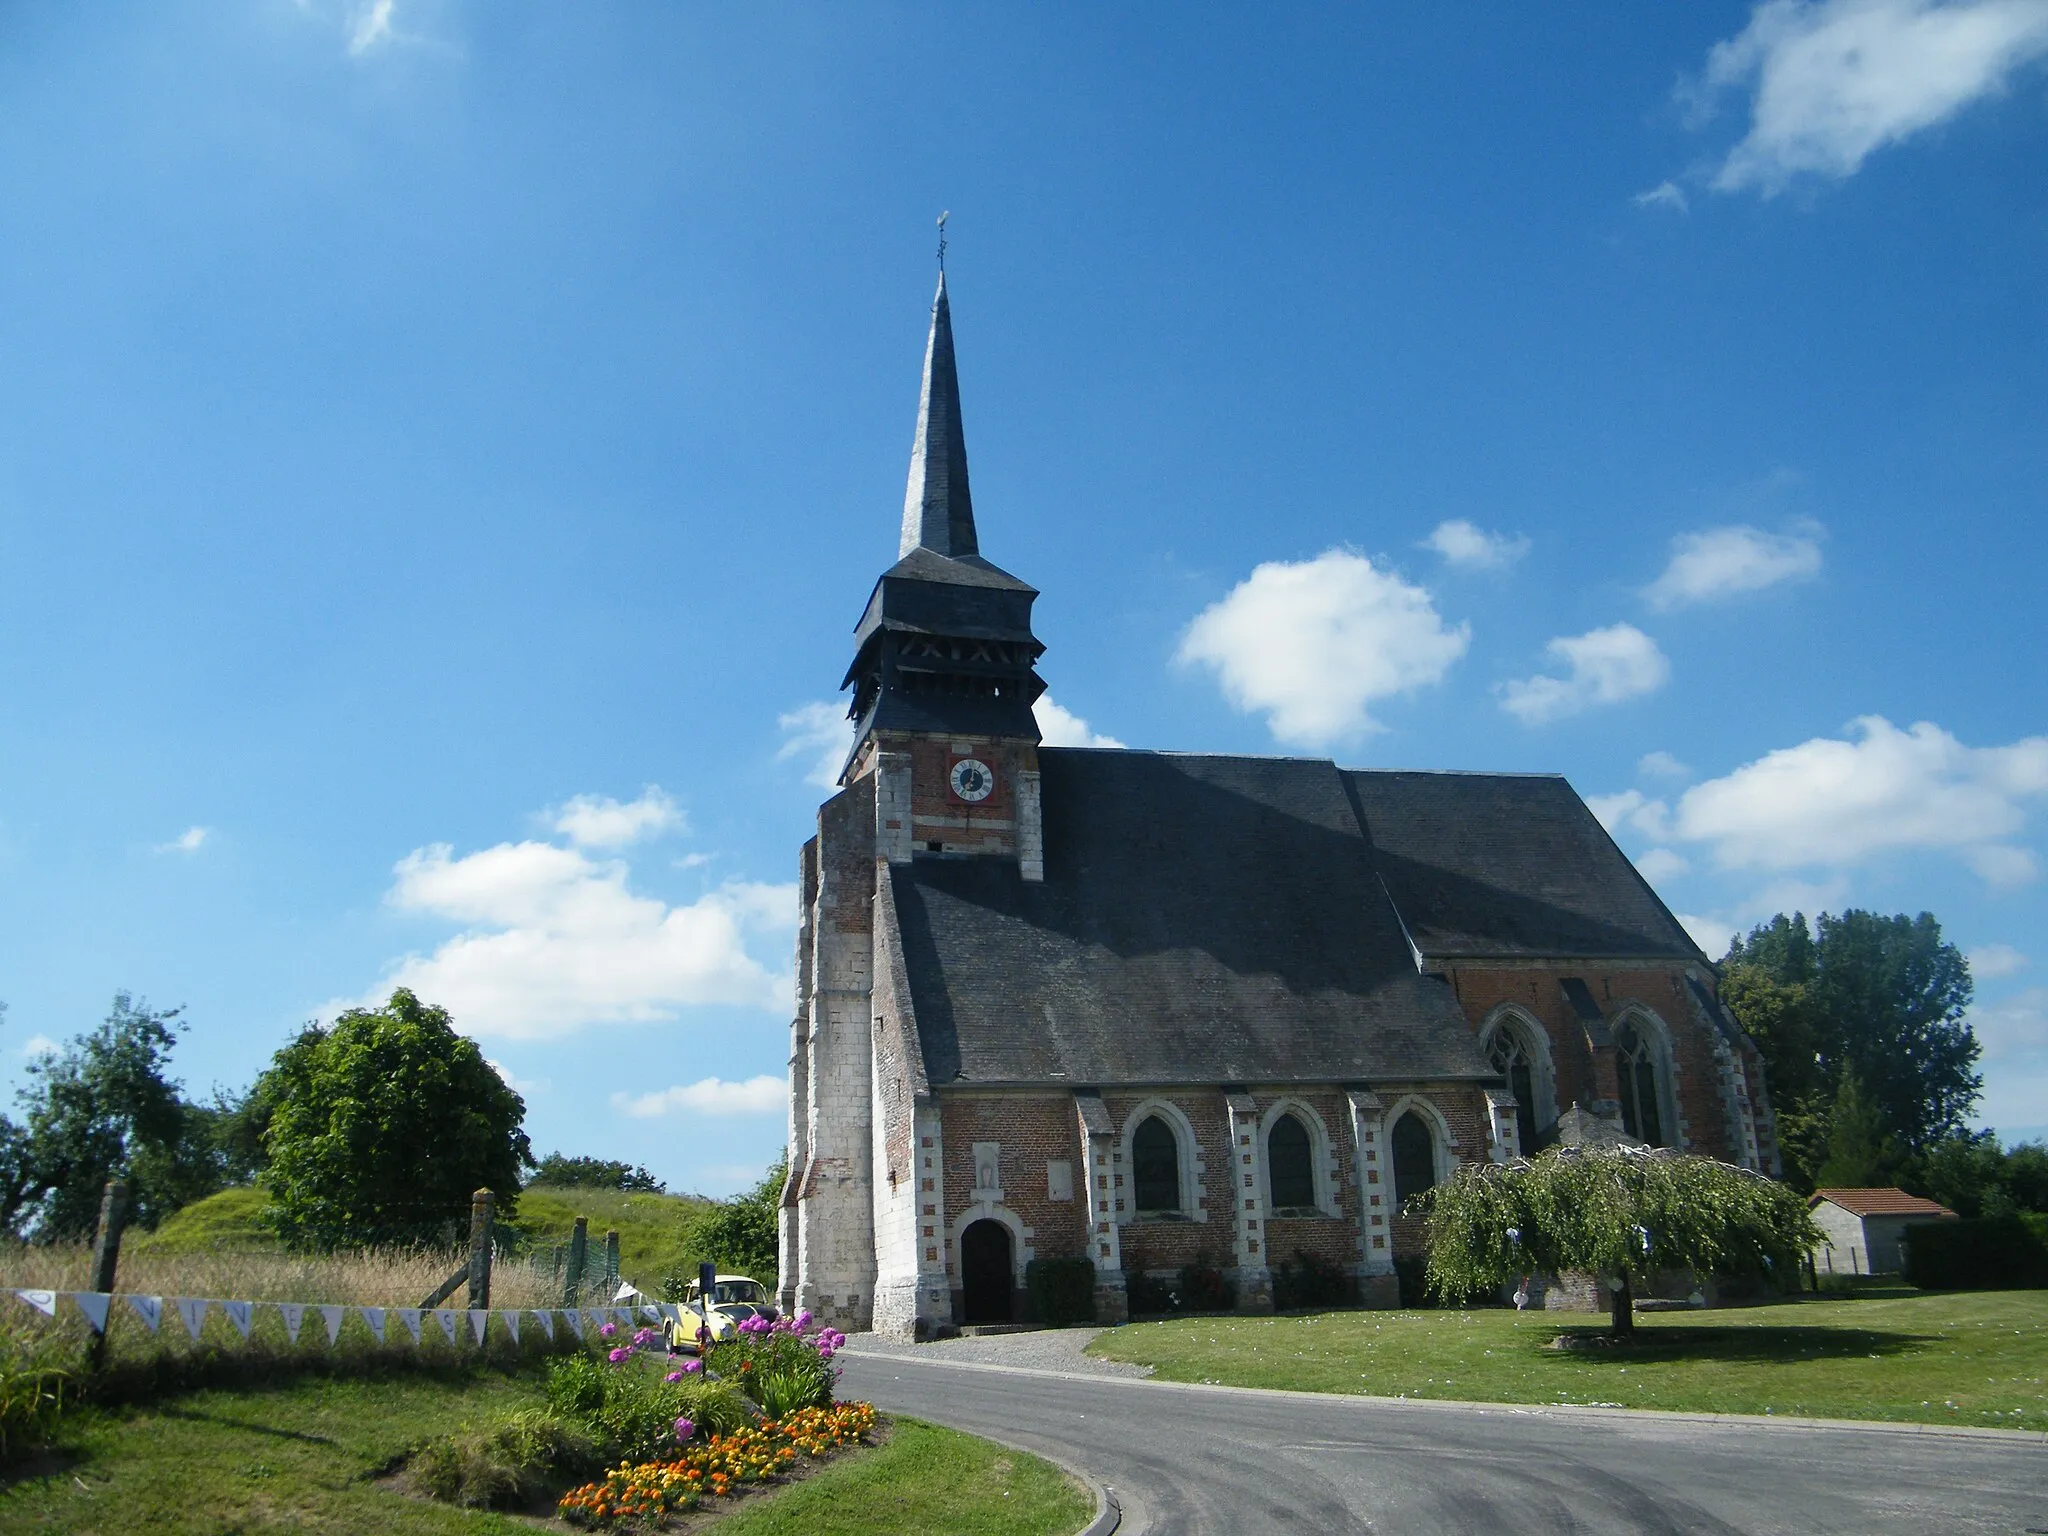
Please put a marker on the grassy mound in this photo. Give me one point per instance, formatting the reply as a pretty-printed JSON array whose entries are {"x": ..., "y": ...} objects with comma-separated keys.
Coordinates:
[{"x": 230, "y": 1219}]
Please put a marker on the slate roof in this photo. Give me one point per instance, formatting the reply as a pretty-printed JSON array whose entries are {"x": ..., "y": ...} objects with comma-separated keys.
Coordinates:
[
  {"x": 1228, "y": 919},
  {"x": 1509, "y": 866},
  {"x": 1202, "y": 919}
]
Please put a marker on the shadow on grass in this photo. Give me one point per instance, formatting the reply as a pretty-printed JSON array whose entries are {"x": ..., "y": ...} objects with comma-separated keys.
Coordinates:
[
  {"x": 1745, "y": 1346},
  {"x": 226, "y": 1421}
]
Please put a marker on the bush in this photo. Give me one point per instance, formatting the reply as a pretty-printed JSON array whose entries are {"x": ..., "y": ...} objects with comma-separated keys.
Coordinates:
[
  {"x": 777, "y": 1366},
  {"x": 33, "y": 1390},
  {"x": 1309, "y": 1280},
  {"x": 631, "y": 1411},
  {"x": 503, "y": 1467},
  {"x": 1062, "y": 1290},
  {"x": 1992, "y": 1253}
]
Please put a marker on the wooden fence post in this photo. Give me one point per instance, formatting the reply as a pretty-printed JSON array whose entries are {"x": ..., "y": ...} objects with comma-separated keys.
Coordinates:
[
  {"x": 480, "y": 1248},
  {"x": 106, "y": 1257},
  {"x": 579, "y": 1240}
]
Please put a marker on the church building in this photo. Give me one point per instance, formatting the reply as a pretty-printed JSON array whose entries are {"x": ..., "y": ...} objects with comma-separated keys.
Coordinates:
[{"x": 1160, "y": 1009}]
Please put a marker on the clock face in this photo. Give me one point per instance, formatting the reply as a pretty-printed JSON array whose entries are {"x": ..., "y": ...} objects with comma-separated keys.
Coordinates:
[{"x": 972, "y": 779}]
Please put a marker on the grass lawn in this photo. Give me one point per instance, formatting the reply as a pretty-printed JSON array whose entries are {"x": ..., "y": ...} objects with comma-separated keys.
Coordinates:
[
  {"x": 925, "y": 1479},
  {"x": 305, "y": 1456},
  {"x": 1978, "y": 1358}
]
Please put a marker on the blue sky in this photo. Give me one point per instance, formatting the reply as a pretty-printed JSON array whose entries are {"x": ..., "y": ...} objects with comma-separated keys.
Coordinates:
[{"x": 444, "y": 449}]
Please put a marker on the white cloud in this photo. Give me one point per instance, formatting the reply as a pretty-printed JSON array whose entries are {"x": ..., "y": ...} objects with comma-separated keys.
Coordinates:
[
  {"x": 1991, "y": 961},
  {"x": 1724, "y": 562},
  {"x": 1835, "y": 80},
  {"x": 1312, "y": 644},
  {"x": 1833, "y": 802},
  {"x": 1631, "y": 808},
  {"x": 710, "y": 1096},
  {"x": 822, "y": 731},
  {"x": 1711, "y": 934},
  {"x": 556, "y": 940},
  {"x": 526, "y": 1088},
  {"x": 2014, "y": 1034},
  {"x": 1604, "y": 666},
  {"x": 2003, "y": 866},
  {"x": 1061, "y": 727},
  {"x": 2015, "y": 1026},
  {"x": 598, "y": 821},
  {"x": 39, "y": 1045},
  {"x": 1666, "y": 194},
  {"x": 191, "y": 840},
  {"x": 1661, "y": 765},
  {"x": 371, "y": 26},
  {"x": 1662, "y": 864},
  {"x": 1464, "y": 544}
]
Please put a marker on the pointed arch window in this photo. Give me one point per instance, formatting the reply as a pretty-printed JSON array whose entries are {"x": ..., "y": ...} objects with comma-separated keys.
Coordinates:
[
  {"x": 1513, "y": 1060},
  {"x": 1638, "y": 1066},
  {"x": 1155, "y": 1166},
  {"x": 1414, "y": 1147},
  {"x": 1289, "y": 1164}
]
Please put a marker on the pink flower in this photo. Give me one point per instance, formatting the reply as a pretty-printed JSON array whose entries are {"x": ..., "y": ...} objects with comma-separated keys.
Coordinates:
[
  {"x": 678, "y": 1375},
  {"x": 684, "y": 1429},
  {"x": 692, "y": 1367},
  {"x": 803, "y": 1320},
  {"x": 607, "y": 1330},
  {"x": 621, "y": 1355}
]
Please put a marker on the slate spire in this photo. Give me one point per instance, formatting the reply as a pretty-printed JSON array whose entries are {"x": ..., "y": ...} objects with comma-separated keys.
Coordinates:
[{"x": 938, "y": 513}]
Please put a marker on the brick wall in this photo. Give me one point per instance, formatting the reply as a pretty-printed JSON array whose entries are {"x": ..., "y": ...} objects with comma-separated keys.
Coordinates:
[{"x": 937, "y": 815}]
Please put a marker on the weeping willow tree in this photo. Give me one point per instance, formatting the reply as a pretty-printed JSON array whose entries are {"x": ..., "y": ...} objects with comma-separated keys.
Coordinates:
[{"x": 1623, "y": 1215}]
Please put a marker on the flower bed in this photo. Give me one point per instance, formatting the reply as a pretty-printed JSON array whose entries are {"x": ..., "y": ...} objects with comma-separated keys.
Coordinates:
[{"x": 717, "y": 1466}]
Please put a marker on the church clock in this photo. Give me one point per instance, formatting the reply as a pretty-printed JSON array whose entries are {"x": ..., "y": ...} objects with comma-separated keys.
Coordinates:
[{"x": 972, "y": 780}]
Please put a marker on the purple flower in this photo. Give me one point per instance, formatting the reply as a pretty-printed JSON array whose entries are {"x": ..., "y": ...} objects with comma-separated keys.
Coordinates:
[
  {"x": 607, "y": 1330},
  {"x": 643, "y": 1338},
  {"x": 621, "y": 1355},
  {"x": 684, "y": 1429},
  {"x": 692, "y": 1367},
  {"x": 677, "y": 1375},
  {"x": 803, "y": 1320}
]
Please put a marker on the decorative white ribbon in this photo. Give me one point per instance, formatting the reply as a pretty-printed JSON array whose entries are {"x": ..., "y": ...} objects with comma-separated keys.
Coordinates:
[
  {"x": 478, "y": 1316},
  {"x": 332, "y": 1317},
  {"x": 410, "y": 1316},
  {"x": 510, "y": 1318},
  {"x": 547, "y": 1325},
  {"x": 569, "y": 1315},
  {"x": 374, "y": 1316},
  {"x": 240, "y": 1313},
  {"x": 626, "y": 1288},
  {"x": 94, "y": 1305},
  {"x": 150, "y": 1309},
  {"x": 192, "y": 1313},
  {"x": 445, "y": 1316},
  {"x": 44, "y": 1302},
  {"x": 294, "y": 1314}
]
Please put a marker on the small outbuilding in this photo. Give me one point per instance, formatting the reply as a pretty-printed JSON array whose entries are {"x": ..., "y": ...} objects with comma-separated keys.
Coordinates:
[{"x": 1862, "y": 1227}]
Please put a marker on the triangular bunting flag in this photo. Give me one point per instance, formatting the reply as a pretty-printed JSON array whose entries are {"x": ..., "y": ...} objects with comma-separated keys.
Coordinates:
[
  {"x": 510, "y": 1318},
  {"x": 595, "y": 1317},
  {"x": 652, "y": 1314},
  {"x": 192, "y": 1313},
  {"x": 478, "y": 1316},
  {"x": 294, "y": 1314},
  {"x": 622, "y": 1316},
  {"x": 94, "y": 1305},
  {"x": 670, "y": 1312},
  {"x": 410, "y": 1316},
  {"x": 239, "y": 1313},
  {"x": 44, "y": 1302},
  {"x": 150, "y": 1309},
  {"x": 575, "y": 1321},
  {"x": 547, "y": 1324},
  {"x": 332, "y": 1317},
  {"x": 626, "y": 1289},
  {"x": 445, "y": 1316},
  {"x": 374, "y": 1316}
]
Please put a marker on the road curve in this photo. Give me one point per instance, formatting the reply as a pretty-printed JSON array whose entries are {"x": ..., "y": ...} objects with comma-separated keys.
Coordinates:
[{"x": 1218, "y": 1461}]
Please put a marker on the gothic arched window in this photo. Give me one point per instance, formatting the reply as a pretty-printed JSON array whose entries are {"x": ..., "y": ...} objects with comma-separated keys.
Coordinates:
[
  {"x": 1288, "y": 1164},
  {"x": 1642, "y": 1090},
  {"x": 1512, "y": 1059},
  {"x": 1414, "y": 1146},
  {"x": 1155, "y": 1166}
]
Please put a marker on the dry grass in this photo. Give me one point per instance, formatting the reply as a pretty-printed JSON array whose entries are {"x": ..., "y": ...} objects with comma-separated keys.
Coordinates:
[{"x": 374, "y": 1277}]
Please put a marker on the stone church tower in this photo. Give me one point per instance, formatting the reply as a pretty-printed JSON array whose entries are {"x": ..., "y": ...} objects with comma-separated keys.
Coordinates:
[{"x": 1170, "y": 1010}]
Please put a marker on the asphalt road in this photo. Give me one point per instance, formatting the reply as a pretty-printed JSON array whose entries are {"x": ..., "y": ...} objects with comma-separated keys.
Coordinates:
[{"x": 1218, "y": 1461}]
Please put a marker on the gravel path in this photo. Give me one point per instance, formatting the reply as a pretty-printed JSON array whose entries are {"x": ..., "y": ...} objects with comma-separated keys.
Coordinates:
[{"x": 1046, "y": 1349}]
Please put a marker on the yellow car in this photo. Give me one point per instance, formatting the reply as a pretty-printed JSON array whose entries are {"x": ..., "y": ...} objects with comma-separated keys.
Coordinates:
[{"x": 734, "y": 1299}]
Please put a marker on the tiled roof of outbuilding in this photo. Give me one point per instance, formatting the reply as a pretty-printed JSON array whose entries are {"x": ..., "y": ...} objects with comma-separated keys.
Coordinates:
[{"x": 1879, "y": 1202}]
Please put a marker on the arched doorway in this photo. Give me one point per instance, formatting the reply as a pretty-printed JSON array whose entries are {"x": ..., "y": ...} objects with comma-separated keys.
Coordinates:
[{"x": 985, "y": 1272}]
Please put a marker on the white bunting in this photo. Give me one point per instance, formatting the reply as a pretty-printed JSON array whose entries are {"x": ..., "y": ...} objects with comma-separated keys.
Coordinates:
[
  {"x": 150, "y": 1309},
  {"x": 332, "y": 1317},
  {"x": 622, "y": 1316},
  {"x": 547, "y": 1324},
  {"x": 595, "y": 1316},
  {"x": 410, "y": 1316},
  {"x": 374, "y": 1316},
  {"x": 652, "y": 1314},
  {"x": 575, "y": 1321},
  {"x": 626, "y": 1288},
  {"x": 510, "y": 1318},
  {"x": 445, "y": 1316},
  {"x": 44, "y": 1302},
  {"x": 192, "y": 1313},
  {"x": 478, "y": 1316},
  {"x": 94, "y": 1305},
  {"x": 294, "y": 1314},
  {"x": 240, "y": 1314},
  {"x": 671, "y": 1313}
]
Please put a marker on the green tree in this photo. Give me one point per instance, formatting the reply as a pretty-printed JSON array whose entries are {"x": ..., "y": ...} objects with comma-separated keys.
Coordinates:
[
  {"x": 106, "y": 1107},
  {"x": 380, "y": 1126},
  {"x": 596, "y": 1173},
  {"x": 1624, "y": 1215},
  {"x": 1881, "y": 999},
  {"x": 1859, "y": 1152}
]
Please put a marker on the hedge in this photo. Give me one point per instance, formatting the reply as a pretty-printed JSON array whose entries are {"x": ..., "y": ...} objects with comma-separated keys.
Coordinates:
[{"x": 1989, "y": 1254}]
